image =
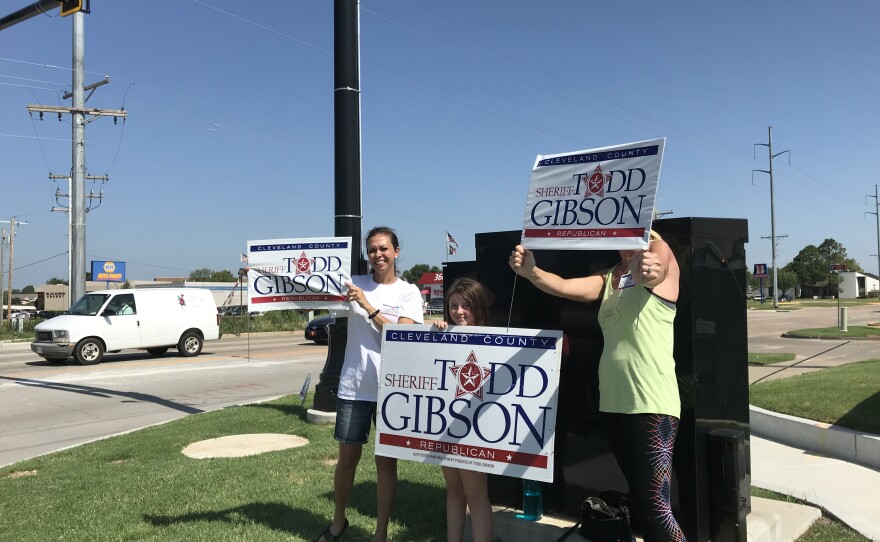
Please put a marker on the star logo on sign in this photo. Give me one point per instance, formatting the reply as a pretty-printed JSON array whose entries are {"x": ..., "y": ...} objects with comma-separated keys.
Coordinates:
[
  {"x": 596, "y": 182},
  {"x": 470, "y": 377},
  {"x": 303, "y": 265}
]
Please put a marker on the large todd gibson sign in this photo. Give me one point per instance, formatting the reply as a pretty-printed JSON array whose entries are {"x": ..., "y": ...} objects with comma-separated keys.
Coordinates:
[{"x": 476, "y": 398}]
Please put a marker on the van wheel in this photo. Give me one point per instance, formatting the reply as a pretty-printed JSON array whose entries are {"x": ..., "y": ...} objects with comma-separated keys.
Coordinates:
[
  {"x": 89, "y": 351},
  {"x": 190, "y": 344},
  {"x": 157, "y": 351}
]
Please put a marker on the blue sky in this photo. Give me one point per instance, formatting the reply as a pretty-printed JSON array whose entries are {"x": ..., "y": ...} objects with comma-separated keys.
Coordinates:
[{"x": 230, "y": 128}]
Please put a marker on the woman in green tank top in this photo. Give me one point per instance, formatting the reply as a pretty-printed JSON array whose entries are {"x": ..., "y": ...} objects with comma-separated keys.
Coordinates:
[{"x": 638, "y": 392}]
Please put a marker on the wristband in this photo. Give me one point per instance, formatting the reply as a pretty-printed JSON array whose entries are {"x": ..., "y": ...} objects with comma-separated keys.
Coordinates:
[{"x": 370, "y": 317}]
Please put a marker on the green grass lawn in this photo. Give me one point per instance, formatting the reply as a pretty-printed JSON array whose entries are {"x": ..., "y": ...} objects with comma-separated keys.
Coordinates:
[
  {"x": 139, "y": 486},
  {"x": 848, "y": 395},
  {"x": 769, "y": 359}
]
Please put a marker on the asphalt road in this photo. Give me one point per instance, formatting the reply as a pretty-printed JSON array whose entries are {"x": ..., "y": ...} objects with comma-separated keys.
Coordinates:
[
  {"x": 765, "y": 336},
  {"x": 45, "y": 407}
]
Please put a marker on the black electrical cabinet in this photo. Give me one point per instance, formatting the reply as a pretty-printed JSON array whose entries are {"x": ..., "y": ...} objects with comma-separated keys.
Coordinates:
[{"x": 711, "y": 365}]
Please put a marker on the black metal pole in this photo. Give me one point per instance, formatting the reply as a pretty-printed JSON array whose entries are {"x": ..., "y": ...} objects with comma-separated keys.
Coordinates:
[
  {"x": 25, "y": 13},
  {"x": 347, "y": 183}
]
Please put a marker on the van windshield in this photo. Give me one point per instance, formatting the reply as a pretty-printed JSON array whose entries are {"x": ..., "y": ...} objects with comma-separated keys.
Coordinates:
[{"x": 88, "y": 305}]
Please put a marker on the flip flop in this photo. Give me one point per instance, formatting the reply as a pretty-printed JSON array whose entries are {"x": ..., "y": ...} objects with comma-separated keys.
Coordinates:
[{"x": 327, "y": 536}]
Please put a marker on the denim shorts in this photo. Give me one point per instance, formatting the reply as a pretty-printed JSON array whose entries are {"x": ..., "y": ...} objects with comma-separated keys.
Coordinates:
[{"x": 353, "y": 421}]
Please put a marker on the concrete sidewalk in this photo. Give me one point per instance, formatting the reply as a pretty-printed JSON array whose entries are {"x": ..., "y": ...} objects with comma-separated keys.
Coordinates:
[
  {"x": 848, "y": 491},
  {"x": 829, "y": 466}
]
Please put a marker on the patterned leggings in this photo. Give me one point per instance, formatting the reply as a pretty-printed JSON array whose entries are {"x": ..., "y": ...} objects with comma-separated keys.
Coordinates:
[{"x": 642, "y": 445}]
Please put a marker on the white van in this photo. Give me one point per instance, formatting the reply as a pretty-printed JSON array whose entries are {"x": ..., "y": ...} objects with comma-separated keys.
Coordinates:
[{"x": 154, "y": 319}]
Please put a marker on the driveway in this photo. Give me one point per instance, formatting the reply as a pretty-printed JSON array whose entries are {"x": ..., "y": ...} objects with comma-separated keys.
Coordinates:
[{"x": 765, "y": 336}]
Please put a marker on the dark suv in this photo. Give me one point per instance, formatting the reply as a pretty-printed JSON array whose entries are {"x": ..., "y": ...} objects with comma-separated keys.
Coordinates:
[{"x": 318, "y": 329}]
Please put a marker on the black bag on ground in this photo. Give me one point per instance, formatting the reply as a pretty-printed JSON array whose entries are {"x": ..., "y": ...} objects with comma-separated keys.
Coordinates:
[{"x": 602, "y": 523}]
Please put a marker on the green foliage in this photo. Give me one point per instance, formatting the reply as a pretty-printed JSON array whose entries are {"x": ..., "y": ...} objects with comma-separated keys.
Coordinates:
[
  {"x": 809, "y": 267},
  {"x": 786, "y": 280},
  {"x": 835, "y": 253},
  {"x": 29, "y": 289},
  {"x": 847, "y": 395},
  {"x": 769, "y": 359},
  {"x": 223, "y": 276},
  {"x": 812, "y": 267},
  {"x": 209, "y": 275},
  {"x": 286, "y": 320},
  {"x": 413, "y": 274},
  {"x": 139, "y": 486},
  {"x": 56, "y": 280},
  {"x": 201, "y": 275}
]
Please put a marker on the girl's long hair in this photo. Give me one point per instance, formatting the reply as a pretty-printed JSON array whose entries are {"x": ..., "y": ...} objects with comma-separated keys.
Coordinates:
[{"x": 474, "y": 295}]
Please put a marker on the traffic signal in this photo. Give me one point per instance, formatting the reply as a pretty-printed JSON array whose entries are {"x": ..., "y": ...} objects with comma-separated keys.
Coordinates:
[{"x": 71, "y": 6}]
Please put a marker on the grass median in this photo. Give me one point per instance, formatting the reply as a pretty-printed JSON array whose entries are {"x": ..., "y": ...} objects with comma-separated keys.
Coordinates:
[
  {"x": 847, "y": 395},
  {"x": 139, "y": 486}
]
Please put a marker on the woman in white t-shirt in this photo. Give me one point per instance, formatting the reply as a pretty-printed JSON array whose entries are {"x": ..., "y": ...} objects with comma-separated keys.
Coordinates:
[{"x": 375, "y": 300}]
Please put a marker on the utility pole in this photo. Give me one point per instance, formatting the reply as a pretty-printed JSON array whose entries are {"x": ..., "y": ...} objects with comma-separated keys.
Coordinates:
[
  {"x": 12, "y": 224},
  {"x": 66, "y": 209},
  {"x": 876, "y": 213},
  {"x": 2, "y": 250},
  {"x": 769, "y": 146},
  {"x": 775, "y": 240},
  {"x": 77, "y": 111}
]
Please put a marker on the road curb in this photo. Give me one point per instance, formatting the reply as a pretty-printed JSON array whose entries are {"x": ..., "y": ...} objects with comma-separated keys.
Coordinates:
[
  {"x": 829, "y": 337},
  {"x": 825, "y": 438}
]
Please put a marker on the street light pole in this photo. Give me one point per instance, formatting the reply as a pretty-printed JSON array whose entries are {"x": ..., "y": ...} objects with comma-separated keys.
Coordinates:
[{"x": 347, "y": 177}]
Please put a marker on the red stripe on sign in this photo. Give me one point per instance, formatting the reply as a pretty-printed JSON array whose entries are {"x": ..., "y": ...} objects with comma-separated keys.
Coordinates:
[
  {"x": 283, "y": 298},
  {"x": 587, "y": 233},
  {"x": 456, "y": 448}
]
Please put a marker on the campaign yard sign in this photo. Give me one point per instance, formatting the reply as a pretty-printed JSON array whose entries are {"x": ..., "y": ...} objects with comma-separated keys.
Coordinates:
[
  {"x": 475, "y": 398},
  {"x": 595, "y": 199},
  {"x": 298, "y": 273}
]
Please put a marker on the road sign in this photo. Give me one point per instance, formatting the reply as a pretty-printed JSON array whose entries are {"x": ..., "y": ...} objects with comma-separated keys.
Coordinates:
[{"x": 837, "y": 267}]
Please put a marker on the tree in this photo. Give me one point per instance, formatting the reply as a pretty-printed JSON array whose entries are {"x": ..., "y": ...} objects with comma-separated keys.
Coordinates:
[
  {"x": 835, "y": 253},
  {"x": 812, "y": 266},
  {"x": 201, "y": 275},
  {"x": 786, "y": 280},
  {"x": 810, "y": 269},
  {"x": 209, "y": 275},
  {"x": 29, "y": 289},
  {"x": 413, "y": 274},
  {"x": 223, "y": 276},
  {"x": 56, "y": 280},
  {"x": 751, "y": 281}
]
